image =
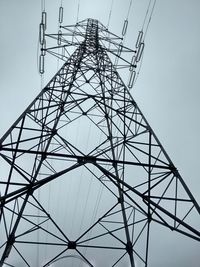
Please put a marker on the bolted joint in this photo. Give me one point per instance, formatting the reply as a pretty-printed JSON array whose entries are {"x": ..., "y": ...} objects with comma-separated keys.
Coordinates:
[
  {"x": 110, "y": 137},
  {"x": 2, "y": 202},
  {"x": 72, "y": 245},
  {"x": 62, "y": 107},
  {"x": 114, "y": 164},
  {"x": 11, "y": 239},
  {"x": 9, "y": 245},
  {"x": 54, "y": 131},
  {"x": 174, "y": 170},
  {"x": 81, "y": 160},
  {"x": 149, "y": 217},
  {"x": 30, "y": 189},
  {"x": 43, "y": 156},
  {"x": 121, "y": 199},
  {"x": 86, "y": 159},
  {"x": 129, "y": 247}
]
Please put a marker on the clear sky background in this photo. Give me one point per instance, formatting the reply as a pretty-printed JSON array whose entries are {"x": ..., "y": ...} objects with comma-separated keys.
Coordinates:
[{"x": 167, "y": 89}]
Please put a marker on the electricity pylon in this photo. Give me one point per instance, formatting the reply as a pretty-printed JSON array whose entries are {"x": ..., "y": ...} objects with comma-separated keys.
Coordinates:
[{"x": 113, "y": 146}]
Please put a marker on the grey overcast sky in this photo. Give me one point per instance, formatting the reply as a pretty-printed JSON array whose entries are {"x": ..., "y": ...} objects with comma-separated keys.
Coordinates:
[{"x": 167, "y": 89}]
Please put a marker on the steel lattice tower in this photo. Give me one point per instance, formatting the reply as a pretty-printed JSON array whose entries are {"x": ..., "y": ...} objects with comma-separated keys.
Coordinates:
[{"x": 116, "y": 150}]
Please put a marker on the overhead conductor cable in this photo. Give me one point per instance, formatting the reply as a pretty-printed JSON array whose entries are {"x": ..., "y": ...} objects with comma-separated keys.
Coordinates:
[
  {"x": 125, "y": 26},
  {"x": 124, "y": 31},
  {"x": 78, "y": 11},
  {"x": 110, "y": 13}
]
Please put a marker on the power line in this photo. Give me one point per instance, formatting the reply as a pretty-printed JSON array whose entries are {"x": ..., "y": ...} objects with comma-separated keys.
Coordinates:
[
  {"x": 152, "y": 10},
  {"x": 78, "y": 10},
  {"x": 129, "y": 9},
  {"x": 43, "y": 5},
  {"x": 110, "y": 13},
  {"x": 143, "y": 32},
  {"x": 147, "y": 11}
]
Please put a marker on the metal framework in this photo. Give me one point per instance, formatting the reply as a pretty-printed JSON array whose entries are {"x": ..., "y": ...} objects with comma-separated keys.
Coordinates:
[{"x": 85, "y": 124}]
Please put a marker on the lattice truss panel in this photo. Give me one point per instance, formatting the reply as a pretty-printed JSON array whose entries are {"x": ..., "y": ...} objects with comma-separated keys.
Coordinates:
[{"x": 83, "y": 174}]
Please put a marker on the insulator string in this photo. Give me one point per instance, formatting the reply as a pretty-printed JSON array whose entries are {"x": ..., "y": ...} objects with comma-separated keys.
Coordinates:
[
  {"x": 59, "y": 38},
  {"x": 149, "y": 11},
  {"x": 138, "y": 72},
  {"x": 124, "y": 31},
  {"x": 41, "y": 43}
]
